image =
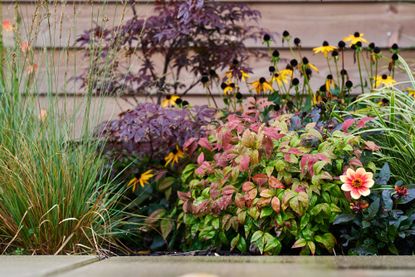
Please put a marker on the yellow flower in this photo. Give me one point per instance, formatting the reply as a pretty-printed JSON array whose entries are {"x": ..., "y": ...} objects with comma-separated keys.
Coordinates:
[
  {"x": 325, "y": 49},
  {"x": 170, "y": 101},
  {"x": 282, "y": 76},
  {"x": 262, "y": 85},
  {"x": 329, "y": 82},
  {"x": 410, "y": 91},
  {"x": 141, "y": 179},
  {"x": 317, "y": 99},
  {"x": 174, "y": 156},
  {"x": 355, "y": 38},
  {"x": 384, "y": 80},
  {"x": 245, "y": 76},
  {"x": 307, "y": 64},
  {"x": 228, "y": 88}
]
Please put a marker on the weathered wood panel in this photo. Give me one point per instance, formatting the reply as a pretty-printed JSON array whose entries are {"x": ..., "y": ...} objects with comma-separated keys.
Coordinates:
[
  {"x": 312, "y": 21},
  {"x": 66, "y": 64}
]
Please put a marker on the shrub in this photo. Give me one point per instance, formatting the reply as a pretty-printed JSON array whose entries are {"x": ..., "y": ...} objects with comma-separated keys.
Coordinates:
[
  {"x": 140, "y": 140},
  {"x": 383, "y": 223},
  {"x": 196, "y": 36},
  {"x": 150, "y": 132},
  {"x": 267, "y": 188}
]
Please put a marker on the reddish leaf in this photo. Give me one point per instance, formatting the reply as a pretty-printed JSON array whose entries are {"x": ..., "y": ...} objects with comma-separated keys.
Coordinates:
[
  {"x": 275, "y": 183},
  {"x": 244, "y": 163},
  {"x": 276, "y": 204},
  {"x": 362, "y": 122},
  {"x": 250, "y": 195},
  {"x": 347, "y": 123},
  {"x": 200, "y": 158},
  {"x": 260, "y": 179},
  {"x": 228, "y": 190},
  {"x": 370, "y": 145},
  {"x": 355, "y": 162},
  {"x": 184, "y": 196},
  {"x": 203, "y": 142},
  {"x": 263, "y": 202},
  {"x": 247, "y": 186}
]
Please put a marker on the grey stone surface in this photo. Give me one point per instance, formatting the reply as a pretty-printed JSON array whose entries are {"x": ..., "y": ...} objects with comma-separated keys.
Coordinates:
[
  {"x": 249, "y": 266},
  {"x": 27, "y": 266}
]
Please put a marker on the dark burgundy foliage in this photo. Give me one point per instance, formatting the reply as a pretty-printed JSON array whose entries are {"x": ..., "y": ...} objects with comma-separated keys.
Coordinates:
[
  {"x": 150, "y": 131},
  {"x": 193, "y": 36}
]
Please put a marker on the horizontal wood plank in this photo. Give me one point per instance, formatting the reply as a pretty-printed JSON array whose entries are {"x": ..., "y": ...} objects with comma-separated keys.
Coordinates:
[
  {"x": 382, "y": 22},
  {"x": 56, "y": 69}
]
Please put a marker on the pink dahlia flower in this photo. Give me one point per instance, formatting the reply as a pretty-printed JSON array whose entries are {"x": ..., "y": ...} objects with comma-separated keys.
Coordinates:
[{"x": 357, "y": 182}]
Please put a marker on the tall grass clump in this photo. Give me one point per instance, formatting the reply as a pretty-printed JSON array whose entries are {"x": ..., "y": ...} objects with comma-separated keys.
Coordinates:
[
  {"x": 393, "y": 126},
  {"x": 55, "y": 196}
]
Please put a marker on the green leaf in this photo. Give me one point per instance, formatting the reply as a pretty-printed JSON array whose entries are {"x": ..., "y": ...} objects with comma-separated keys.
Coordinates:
[
  {"x": 299, "y": 243},
  {"x": 242, "y": 245},
  {"x": 187, "y": 172},
  {"x": 267, "y": 211},
  {"x": 304, "y": 221},
  {"x": 327, "y": 240},
  {"x": 166, "y": 226},
  {"x": 256, "y": 236},
  {"x": 234, "y": 242},
  {"x": 312, "y": 246},
  {"x": 273, "y": 244},
  {"x": 165, "y": 183},
  {"x": 344, "y": 218},
  {"x": 215, "y": 223}
]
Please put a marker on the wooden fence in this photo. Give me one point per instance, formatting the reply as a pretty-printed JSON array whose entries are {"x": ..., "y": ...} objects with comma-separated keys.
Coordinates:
[{"x": 62, "y": 21}]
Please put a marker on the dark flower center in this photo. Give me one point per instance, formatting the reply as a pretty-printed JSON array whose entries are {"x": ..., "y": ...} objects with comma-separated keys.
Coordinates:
[
  {"x": 384, "y": 77},
  {"x": 357, "y": 183},
  {"x": 356, "y": 34},
  {"x": 325, "y": 43},
  {"x": 168, "y": 97},
  {"x": 262, "y": 80},
  {"x": 305, "y": 60}
]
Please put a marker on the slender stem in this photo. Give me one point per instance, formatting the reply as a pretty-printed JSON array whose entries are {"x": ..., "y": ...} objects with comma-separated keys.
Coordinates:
[{"x": 360, "y": 70}]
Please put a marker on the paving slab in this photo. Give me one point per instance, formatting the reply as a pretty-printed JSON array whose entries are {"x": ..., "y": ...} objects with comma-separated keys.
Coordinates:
[
  {"x": 293, "y": 266},
  {"x": 28, "y": 266}
]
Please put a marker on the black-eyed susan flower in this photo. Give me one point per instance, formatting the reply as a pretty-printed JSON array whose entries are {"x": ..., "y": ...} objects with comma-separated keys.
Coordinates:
[
  {"x": 228, "y": 88},
  {"x": 317, "y": 99},
  {"x": 282, "y": 77},
  {"x": 384, "y": 80},
  {"x": 169, "y": 101},
  {"x": 141, "y": 178},
  {"x": 241, "y": 74},
  {"x": 329, "y": 82},
  {"x": 306, "y": 64},
  {"x": 262, "y": 85},
  {"x": 325, "y": 49},
  {"x": 174, "y": 156},
  {"x": 355, "y": 38}
]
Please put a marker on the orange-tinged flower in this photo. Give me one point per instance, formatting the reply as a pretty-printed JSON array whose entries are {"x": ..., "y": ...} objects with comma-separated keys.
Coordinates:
[
  {"x": 42, "y": 115},
  {"x": 169, "y": 101},
  {"x": 282, "y": 76},
  {"x": 141, "y": 179},
  {"x": 24, "y": 46},
  {"x": 7, "y": 26},
  {"x": 358, "y": 182},
  {"x": 262, "y": 85},
  {"x": 384, "y": 80},
  {"x": 174, "y": 156},
  {"x": 325, "y": 49},
  {"x": 31, "y": 68},
  {"x": 355, "y": 38}
]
